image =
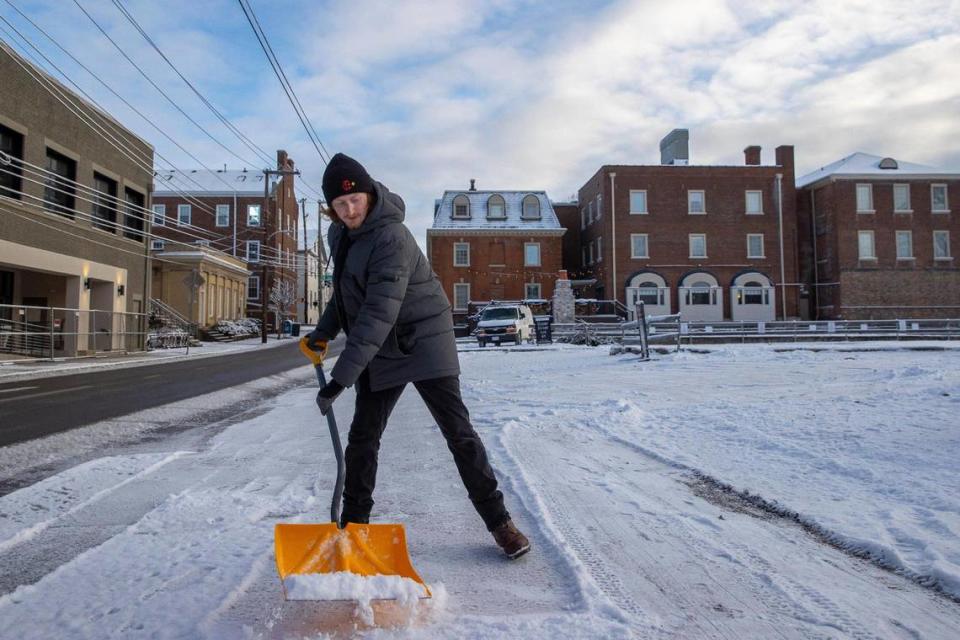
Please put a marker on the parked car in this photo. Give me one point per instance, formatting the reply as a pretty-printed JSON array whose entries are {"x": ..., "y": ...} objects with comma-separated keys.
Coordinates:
[{"x": 505, "y": 323}]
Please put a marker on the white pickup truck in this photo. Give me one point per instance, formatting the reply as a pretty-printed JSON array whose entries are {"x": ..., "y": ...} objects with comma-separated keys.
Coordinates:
[{"x": 505, "y": 323}]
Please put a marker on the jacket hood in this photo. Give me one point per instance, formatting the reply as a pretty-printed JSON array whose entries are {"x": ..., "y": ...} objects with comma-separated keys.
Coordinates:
[{"x": 389, "y": 209}]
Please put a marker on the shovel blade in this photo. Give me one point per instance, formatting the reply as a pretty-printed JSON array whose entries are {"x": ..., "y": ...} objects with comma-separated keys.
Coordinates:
[{"x": 361, "y": 549}]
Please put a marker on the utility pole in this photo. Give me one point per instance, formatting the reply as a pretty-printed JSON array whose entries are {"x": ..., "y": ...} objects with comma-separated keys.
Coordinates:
[
  {"x": 263, "y": 265},
  {"x": 306, "y": 266}
]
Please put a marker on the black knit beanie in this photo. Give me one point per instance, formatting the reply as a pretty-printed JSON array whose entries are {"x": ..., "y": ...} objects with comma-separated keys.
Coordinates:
[{"x": 345, "y": 175}]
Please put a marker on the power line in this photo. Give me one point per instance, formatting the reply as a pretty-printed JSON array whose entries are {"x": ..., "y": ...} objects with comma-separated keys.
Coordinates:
[
  {"x": 157, "y": 87},
  {"x": 282, "y": 77}
]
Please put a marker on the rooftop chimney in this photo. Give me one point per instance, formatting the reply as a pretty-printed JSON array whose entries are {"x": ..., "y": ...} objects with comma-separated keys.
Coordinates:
[
  {"x": 675, "y": 147},
  {"x": 473, "y": 184},
  {"x": 751, "y": 155}
]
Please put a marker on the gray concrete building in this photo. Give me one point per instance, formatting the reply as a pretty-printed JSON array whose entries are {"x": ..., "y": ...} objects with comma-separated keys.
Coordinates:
[{"x": 74, "y": 188}]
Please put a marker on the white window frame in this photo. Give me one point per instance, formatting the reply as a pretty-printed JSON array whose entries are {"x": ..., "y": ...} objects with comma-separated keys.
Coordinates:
[
  {"x": 526, "y": 291},
  {"x": 703, "y": 200},
  {"x": 590, "y": 252},
  {"x": 181, "y": 209},
  {"x": 460, "y": 200},
  {"x": 690, "y": 239},
  {"x": 159, "y": 215},
  {"x": 762, "y": 246},
  {"x": 461, "y": 286},
  {"x": 255, "y": 279},
  {"x": 259, "y": 209},
  {"x": 901, "y": 186},
  {"x": 583, "y": 218},
  {"x": 250, "y": 245},
  {"x": 746, "y": 202},
  {"x": 646, "y": 245},
  {"x": 869, "y": 191},
  {"x": 599, "y": 205},
  {"x": 156, "y": 245},
  {"x": 946, "y": 198},
  {"x": 909, "y": 236},
  {"x": 873, "y": 245},
  {"x": 526, "y": 261},
  {"x": 599, "y": 248},
  {"x": 946, "y": 234},
  {"x": 646, "y": 206},
  {"x": 221, "y": 208},
  {"x": 590, "y": 212},
  {"x": 460, "y": 245}
]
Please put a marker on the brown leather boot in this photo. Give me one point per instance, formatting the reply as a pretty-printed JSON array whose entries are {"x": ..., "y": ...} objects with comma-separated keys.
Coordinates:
[{"x": 513, "y": 543}]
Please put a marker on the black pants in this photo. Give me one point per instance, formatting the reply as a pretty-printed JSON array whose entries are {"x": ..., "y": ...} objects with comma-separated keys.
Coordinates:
[{"x": 442, "y": 397}]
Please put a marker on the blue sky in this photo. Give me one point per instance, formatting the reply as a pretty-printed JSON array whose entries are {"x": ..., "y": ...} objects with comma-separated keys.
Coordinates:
[{"x": 527, "y": 94}]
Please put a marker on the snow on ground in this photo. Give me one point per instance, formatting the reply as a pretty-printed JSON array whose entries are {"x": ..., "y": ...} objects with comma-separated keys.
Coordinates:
[
  {"x": 20, "y": 369},
  {"x": 595, "y": 453}
]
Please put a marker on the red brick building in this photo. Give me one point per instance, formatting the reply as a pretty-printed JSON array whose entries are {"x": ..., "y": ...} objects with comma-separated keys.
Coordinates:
[
  {"x": 225, "y": 211},
  {"x": 880, "y": 238},
  {"x": 712, "y": 242},
  {"x": 495, "y": 245}
]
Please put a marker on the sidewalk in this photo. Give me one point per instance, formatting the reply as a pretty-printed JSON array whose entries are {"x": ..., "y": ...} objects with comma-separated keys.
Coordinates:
[{"x": 31, "y": 368}]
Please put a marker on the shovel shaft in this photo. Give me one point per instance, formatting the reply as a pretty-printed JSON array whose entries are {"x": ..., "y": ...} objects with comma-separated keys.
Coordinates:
[{"x": 337, "y": 451}]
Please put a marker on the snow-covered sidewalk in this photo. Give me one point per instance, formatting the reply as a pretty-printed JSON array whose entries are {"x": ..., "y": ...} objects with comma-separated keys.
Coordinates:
[{"x": 595, "y": 453}]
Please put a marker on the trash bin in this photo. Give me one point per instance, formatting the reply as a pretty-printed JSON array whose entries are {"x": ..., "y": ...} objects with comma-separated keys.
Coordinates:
[{"x": 295, "y": 330}]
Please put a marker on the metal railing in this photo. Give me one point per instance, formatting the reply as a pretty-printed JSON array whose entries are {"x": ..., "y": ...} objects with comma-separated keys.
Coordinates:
[{"x": 51, "y": 332}]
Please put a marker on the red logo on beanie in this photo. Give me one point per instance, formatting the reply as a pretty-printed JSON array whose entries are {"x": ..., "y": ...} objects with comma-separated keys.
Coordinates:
[{"x": 348, "y": 185}]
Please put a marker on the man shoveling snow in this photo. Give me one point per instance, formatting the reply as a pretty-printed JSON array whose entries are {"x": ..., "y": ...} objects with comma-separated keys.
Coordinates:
[{"x": 399, "y": 330}]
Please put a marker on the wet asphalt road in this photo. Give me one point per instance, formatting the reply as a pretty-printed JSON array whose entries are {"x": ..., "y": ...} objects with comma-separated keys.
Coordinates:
[{"x": 36, "y": 408}]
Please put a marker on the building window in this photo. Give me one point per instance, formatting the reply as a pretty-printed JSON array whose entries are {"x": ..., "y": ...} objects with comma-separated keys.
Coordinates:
[
  {"x": 649, "y": 293},
  {"x": 599, "y": 205},
  {"x": 11, "y": 150},
  {"x": 867, "y": 251},
  {"x": 698, "y": 245},
  {"x": 696, "y": 202},
  {"x": 904, "y": 245},
  {"x": 531, "y": 254},
  {"x": 105, "y": 203},
  {"x": 583, "y": 218},
  {"x": 461, "y": 296},
  {"x": 590, "y": 212},
  {"x": 461, "y": 206},
  {"x": 253, "y": 251},
  {"x": 461, "y": 254},
  {"x": 590, "y": 253},
  {"x": 755, "y": 245},
  {"x": 156, "y": 245},
  {"x": 531, "y": 207},
  {"x": 864, "y": 198},
  {"x": 638, "y": 202},
  {"x": 600, "y": 249},
  {"x": 754, "y": 293},
  {"x": 701, "y": 294},
  {"x": 583, "y": 258},
  {"x": 901, "y": 198},
  {"x": 223, "y": 215},
  {"x": 496, "y": 207},
  {"x": 159, "y": 215},
  {"x": 531, "y": 291},
  {"x": 184, "y": 215},
  {"x": 58, "y": 191},
  {"x": 754, "y": 202},
  {"x": 941, "y": 245},
  {"x": 938, "y": 198},
  {"x": 638, "y": 246},
  {"x": 133, "y": 215},
  {"x": 253, "y": 215},
  {"x": 253, "y": 288}
]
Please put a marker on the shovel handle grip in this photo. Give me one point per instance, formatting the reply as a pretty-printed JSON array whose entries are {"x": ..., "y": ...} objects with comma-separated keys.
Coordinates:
[{"x": 337, "y": 451}]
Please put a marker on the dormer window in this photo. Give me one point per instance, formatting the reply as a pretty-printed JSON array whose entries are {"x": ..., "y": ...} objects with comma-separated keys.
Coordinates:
[
  {"x": 461, "y": 206},
  {"x": 531, "y": 207},
  {"x": 496, "y": 207}
]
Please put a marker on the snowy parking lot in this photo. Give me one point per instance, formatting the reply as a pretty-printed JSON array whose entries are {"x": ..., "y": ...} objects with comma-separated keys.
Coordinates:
[{"x": 727, "y": 492}]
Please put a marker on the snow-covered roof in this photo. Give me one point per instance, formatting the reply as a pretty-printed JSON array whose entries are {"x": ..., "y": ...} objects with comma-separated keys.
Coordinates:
[
  {"x": 513, "y": 218},
  {"x": 869, "y": 165},
  {"x": 201, "y": 181}
]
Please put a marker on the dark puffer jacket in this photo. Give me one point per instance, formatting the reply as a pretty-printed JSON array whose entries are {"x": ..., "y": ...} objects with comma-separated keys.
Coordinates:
[{"x": 387, "y": 298}]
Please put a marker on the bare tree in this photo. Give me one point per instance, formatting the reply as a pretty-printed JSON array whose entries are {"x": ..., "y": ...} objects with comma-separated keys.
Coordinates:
[{"x": 282, "y": 295}]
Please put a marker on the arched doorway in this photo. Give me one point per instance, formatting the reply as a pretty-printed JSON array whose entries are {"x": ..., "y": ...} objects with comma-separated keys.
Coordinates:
[
  {"x": 652, "y": 290},
  {"x": 700, "y": 298},
  {"x": 753, "y": 298}
]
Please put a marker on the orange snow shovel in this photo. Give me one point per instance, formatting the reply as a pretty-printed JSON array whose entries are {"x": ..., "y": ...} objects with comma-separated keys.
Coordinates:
[{"x": 359, "y": 549}]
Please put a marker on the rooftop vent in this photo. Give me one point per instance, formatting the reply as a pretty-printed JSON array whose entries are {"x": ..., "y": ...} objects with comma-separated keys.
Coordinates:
[
  {"x": 888, "y": 163},
  {"x": 473, "y": 183}
]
